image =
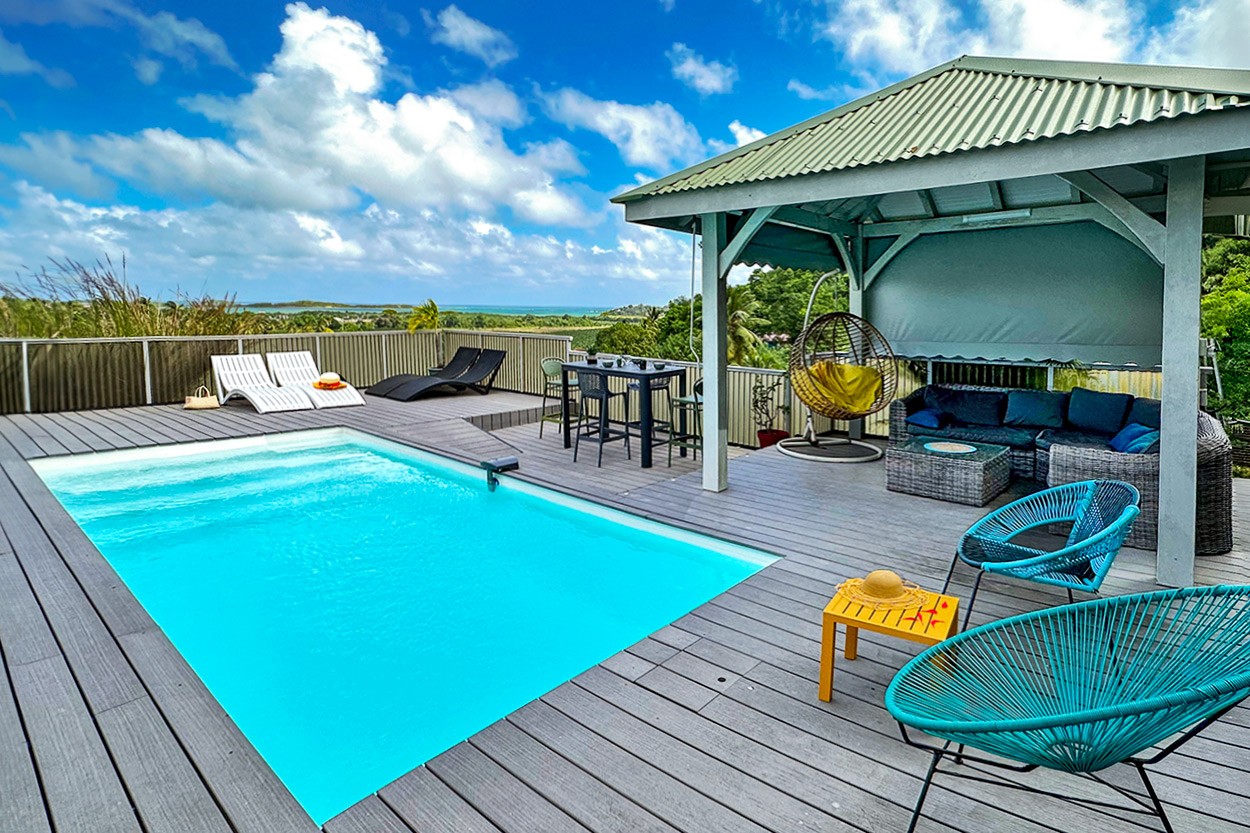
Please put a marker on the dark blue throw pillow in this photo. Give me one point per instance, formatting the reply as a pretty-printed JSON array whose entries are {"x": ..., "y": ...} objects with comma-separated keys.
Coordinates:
[
  {"x": 1102, "y": 413},
  {"x": 1129, "y": 435},
  {"x": 928, "y": 418},
  {"x": 1145, "y": 412},
  {"x": 1035, "y": 408},
  {"x": 967, "y": 407}
]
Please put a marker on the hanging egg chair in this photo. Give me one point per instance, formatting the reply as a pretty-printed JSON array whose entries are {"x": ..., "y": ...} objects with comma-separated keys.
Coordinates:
[{"x": 841, "y": 367}]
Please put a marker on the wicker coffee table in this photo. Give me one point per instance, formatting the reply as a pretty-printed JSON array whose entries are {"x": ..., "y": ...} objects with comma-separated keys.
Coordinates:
[{"x": 975, "y": 477}]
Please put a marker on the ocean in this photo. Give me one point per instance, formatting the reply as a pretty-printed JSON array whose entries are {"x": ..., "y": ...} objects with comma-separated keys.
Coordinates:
[{"x": 578, "y": 312}]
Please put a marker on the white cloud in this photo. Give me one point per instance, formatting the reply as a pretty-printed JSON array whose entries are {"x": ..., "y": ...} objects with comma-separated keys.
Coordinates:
[
  {"x": 148, "y": 71},
  {"x": 810, "y": 93},
  {"x": 744, "y": 135},
  {"x": 493, "y": 100},
  {"x": 312, "y": 136},
  {"x": 654, "y": 136},
  {"x": 703, "y": 76},
  {"x": 186, "y": 40},
  {"x": 455, "y": 29},
  {"x": 50, "y": 159},
  {"x": 668, "y": 5},
  {"x": 883, "y": 40},
  {"x": 406, "y": 254},
  {"x": 1203, "y": 33},
  {"x": 15, "y": 61}
]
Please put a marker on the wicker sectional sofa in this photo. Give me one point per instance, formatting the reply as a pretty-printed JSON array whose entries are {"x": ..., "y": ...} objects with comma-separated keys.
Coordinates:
[{"x": 1059, "y": 454}]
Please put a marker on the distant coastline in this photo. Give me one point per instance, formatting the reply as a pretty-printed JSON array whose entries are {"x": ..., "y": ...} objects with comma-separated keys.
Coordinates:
[{"x": 295, "y": 307}]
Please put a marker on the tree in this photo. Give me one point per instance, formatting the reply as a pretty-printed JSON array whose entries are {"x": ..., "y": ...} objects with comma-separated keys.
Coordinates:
[
  {"x": 783, "y": 295},
  {"x": 1226, "y": 318},
  {"x": 742, "y": 320},
  {"x": 628, "y": 338},
  {"x": 1219, "y": 256},
  {"x": 424, "y": 317}
]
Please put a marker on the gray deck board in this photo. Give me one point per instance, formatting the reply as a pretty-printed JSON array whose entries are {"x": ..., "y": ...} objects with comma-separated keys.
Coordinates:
[
  {"x": 24, "y": 810},
  {"x": 710, "y": 724},
  {"x": 428, "y": 805},
  {"x": 83, "y": 791},
  {"x": 368, "y": 816},
  {"x": 168, "y": 794},
  {"x": 506, "y": 801},
  {"x": 575, "y": 791}
]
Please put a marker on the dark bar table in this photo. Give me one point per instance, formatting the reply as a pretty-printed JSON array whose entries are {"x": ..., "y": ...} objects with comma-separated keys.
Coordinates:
[{"x": 632, "y": 372}]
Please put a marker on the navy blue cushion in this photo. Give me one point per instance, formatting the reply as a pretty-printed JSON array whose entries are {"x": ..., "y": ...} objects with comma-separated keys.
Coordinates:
[
  {"x": 1102, "y": 413},
  {"x": 1145, "y": 412},
  {"x": 928, "y": 418},
  {"x": 1128, "y": 435},
  {"x": 1040, "y": 408},
  {"x": 1147, "y": 443},
  {"x": 967, "y": 407},
  {"x": 1080, "y": 439}
]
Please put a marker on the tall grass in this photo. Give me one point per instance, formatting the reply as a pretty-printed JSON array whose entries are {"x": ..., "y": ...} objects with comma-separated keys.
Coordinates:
[{"x": 71, "y": 300}]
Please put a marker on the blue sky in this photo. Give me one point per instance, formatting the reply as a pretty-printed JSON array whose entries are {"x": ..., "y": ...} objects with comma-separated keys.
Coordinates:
[{"x": 383, "y": 152}]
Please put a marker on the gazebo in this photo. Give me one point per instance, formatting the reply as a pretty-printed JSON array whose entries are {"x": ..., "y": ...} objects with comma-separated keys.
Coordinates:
[{"x": 997, "y": 209}]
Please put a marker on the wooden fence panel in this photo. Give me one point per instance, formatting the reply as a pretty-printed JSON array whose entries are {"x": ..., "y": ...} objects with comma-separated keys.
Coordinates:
[
  {"x": 412, "y": 352},
  {"x": 97, "y": 373},
  {"x": 82, "y": 375},
  {"x": 10, "y": 378},
  {"x": 360, "y": 358}
]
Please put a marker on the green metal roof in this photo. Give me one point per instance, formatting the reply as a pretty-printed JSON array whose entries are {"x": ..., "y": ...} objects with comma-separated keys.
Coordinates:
[{"x": 966, "y": 104}]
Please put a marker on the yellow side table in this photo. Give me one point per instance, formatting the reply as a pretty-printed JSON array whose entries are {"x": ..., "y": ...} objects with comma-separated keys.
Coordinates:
[{"x": 928, "y": 622}]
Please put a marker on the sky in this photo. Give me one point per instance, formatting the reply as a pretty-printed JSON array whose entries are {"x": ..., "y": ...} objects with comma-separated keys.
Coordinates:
[{"x": 386, "y": 152}]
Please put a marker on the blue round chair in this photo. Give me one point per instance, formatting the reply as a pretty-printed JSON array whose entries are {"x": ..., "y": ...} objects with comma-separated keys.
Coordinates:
[
  {"x": 1101, "y": 513},
  {"x": 1080, "y": 687}
]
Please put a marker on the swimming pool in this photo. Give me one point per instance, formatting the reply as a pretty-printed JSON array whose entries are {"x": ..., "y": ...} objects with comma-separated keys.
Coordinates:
[{"x": 359, "y": 606}]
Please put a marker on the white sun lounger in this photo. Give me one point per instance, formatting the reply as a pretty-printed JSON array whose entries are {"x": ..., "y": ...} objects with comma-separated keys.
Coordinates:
[
  {"x": 245, "y": 376},
  {"x": 298, "y": 370}
]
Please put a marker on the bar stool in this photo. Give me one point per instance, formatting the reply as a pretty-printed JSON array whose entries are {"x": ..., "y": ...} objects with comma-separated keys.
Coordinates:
[
  {"x": 553, "y": 388},
  {"x": 593, "y": 387},
  {"x": 692, "y": 408}
]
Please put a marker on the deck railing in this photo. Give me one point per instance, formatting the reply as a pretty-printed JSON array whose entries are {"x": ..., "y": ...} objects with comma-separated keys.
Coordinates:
[{"x": 42, "y": 375}]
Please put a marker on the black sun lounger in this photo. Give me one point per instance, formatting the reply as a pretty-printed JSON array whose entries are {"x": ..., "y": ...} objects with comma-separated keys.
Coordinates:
[
  {"x": 462, "y": 361},
  {"x": 479, "y": 378}
]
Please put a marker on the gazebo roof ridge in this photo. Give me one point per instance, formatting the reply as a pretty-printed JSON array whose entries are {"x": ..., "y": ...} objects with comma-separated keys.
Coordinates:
[{"x": 909, "y": 120}]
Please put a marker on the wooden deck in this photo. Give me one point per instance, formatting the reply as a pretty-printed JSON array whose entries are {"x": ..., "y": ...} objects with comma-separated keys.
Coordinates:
[{"x": 711, "y": 724}]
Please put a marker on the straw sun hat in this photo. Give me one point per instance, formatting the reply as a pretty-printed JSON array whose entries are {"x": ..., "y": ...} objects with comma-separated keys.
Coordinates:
[
  {"x": 882, "y": 589},
  {"x": 329, "y": 380}
]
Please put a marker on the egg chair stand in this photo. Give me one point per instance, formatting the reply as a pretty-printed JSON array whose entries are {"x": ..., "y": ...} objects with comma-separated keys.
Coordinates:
[
  {"x": 842, "y": 368},
  {"x": 812, "y": 446}
]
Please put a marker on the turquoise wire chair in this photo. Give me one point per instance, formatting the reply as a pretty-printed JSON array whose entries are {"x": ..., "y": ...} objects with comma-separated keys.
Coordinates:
[
  {"x": 1101, "y": 513},
  {"x": 1081, "y": 687}
]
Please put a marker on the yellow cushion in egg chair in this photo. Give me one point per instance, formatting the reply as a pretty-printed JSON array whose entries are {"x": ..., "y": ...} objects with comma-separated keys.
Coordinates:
[{"x": 853, "y": 388}]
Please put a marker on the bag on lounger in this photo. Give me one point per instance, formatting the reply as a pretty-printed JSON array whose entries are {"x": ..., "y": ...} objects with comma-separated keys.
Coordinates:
[{"x": 201, "y": 400}]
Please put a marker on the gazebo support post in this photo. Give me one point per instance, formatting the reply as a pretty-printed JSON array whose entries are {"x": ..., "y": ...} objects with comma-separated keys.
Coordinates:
[
  {"x": 715, "y": 355},
  {"x": 1178, "y": 456},
  {"x": 855, "y": 303}
]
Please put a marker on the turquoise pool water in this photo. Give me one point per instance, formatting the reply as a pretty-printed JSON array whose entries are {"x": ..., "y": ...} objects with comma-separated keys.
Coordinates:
[{"x": 357, "y": 607}]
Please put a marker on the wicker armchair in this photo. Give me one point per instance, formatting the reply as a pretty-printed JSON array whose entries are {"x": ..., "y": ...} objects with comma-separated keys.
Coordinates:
[{"x": 1069, "y": 464}]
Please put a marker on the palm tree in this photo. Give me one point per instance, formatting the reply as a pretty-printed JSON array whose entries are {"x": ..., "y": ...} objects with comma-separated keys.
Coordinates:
[
  {"x": 742, "y": 321},
  {"x": 424, "y": 317}
]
